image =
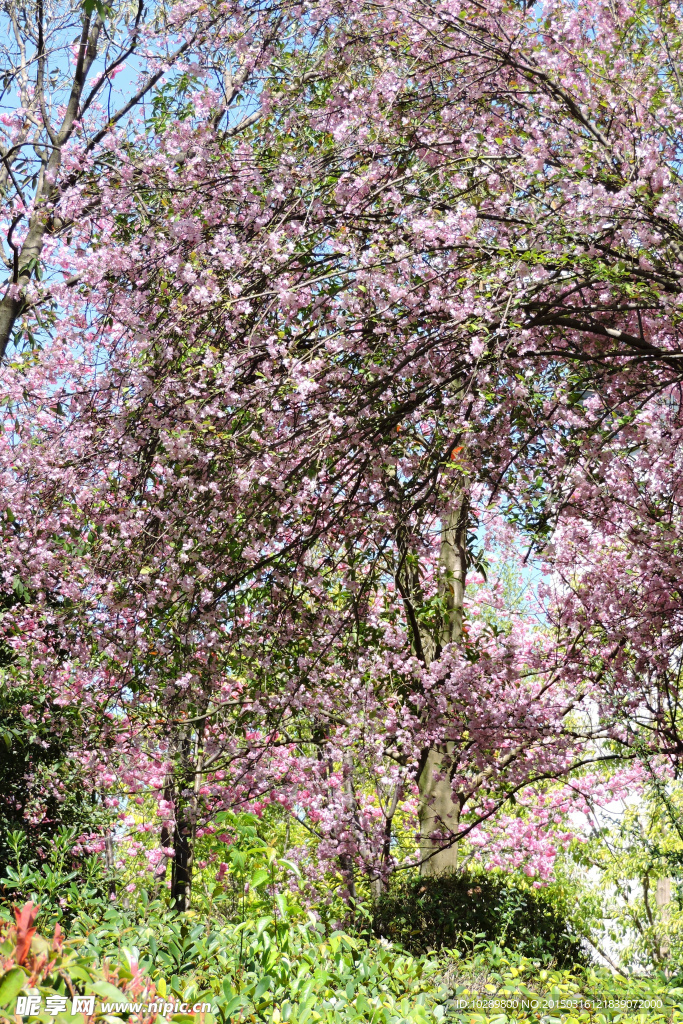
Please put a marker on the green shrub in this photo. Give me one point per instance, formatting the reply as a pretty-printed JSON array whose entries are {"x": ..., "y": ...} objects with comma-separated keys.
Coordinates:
[
  {"x": 494, "y": 986},
  {"x": 455, "y": 910},
  {"x": 285, "y": 970},
  {"x": 62, "y": 883},
  {"x": 42, "y": 789},
  {"x": 52, "y": 970}
]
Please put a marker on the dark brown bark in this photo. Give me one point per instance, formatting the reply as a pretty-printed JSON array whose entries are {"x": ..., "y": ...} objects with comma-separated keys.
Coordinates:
[{"x": 186, "y": 801}]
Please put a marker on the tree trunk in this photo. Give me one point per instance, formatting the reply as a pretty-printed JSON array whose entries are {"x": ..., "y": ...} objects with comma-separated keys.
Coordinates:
[
  {"x": 186, "y": 812},
  {"x": 10, "y": 309},
  {"x": 181, "y": 880},
  {"x": 663, "y": 901},
  {"x": 109, "y": 861},
  {"x": 164, "y": 842},
  {"x": 453, "y": 565},
  {"x": 439, "y": 812}
]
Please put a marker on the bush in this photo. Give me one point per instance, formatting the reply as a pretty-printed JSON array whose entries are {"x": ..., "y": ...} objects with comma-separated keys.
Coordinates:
[
  {"x": 51, "y": 970},
  {"x": 287, "y": 971},
  {"x": 494, "y": 986},
  {"x": 263, "y": 969},
  {"x": 42, "y": 788},
  {"x": 456, "y": 910}
]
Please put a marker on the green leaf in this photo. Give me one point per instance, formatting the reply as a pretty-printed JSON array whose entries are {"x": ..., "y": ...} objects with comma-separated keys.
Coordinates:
[
  {"x": 79, "y": 973},
  {"x": 90, "y": 6},
  {"x": 233, "y": 1005},
  {"x": 10, "y": 984},
  {"x": 263, "y": 986},
  {"x": 103, "y": 988}
]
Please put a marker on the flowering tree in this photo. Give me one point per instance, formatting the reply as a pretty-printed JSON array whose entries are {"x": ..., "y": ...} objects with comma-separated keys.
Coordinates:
[
  {"x": 73, "y": 108},
  {"x": 431, "y": 256},
  {"x": 617, "y": 558}
]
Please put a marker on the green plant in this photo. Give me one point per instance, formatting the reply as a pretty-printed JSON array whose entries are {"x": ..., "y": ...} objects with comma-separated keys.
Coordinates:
[
  {"x": 53, "y": 972},
  {"x": 629, "y": 854},
  {"x": 63, "y": 883},
  {"x": 495, "y": 985},
  {"x": 449, "y": 910},
  {"x": 41, "y": 782}
]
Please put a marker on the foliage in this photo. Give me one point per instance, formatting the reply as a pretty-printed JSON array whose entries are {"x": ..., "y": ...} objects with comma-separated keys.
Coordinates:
[
  {"x": 257, "y": 970},
  {"x": 264, "y": 957},
  {"x": 42, "y": 782},
  {"x": 31, "y": 964},
  {"x": 65, "y": 881},
  {"x": 374, "y": 304},
  {"x": 631, "y": 869},
  {"x": 267, "y": 966},
  {"x": 455, "y": 910},
  {"x": 517, "y": 988},
  {"x": 306, "y": 359}
]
